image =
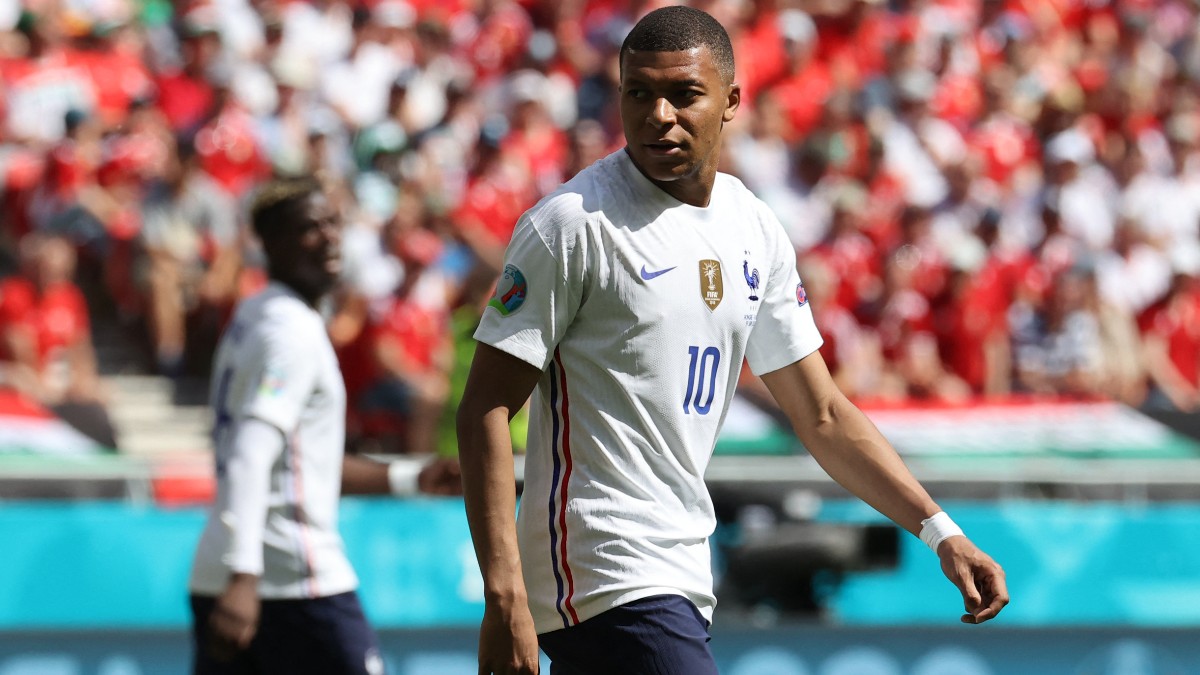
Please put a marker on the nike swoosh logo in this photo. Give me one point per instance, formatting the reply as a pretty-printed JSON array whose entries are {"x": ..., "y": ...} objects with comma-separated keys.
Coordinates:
[{"x": 650, "y": 275}]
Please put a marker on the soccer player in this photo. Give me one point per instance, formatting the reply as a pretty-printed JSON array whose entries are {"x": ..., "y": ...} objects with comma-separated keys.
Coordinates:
[
  {"x": 629, "y": 298},
  {"x": 272, "y": 590}
]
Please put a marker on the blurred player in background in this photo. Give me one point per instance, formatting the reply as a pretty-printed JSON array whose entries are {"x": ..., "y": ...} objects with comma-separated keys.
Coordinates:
[
  {"x": 629, "y": 298},
  {"x": 272, "y": 590}
]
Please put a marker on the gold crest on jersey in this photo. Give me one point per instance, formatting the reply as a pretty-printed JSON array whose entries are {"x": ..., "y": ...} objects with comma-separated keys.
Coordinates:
[{"x": 712, "y": 286}]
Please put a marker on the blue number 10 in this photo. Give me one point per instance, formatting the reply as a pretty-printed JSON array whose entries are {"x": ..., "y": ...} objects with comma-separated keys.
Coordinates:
[{"x": 696, "y": 379}]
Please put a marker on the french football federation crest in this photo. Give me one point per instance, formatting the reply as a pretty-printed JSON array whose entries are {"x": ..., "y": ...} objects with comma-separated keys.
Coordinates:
[
  {"x": 751, "y": 279},
  {"x": 712, "y": 285}
]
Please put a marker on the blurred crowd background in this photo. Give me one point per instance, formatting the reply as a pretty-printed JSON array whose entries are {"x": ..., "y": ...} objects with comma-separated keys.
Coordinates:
[{"x": 988, "y": 198}]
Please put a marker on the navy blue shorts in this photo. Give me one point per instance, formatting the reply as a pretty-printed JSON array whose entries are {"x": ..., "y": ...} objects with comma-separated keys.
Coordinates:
[
  {"x": 321, "y": 636},
  {"x": 659, "y": 635}
]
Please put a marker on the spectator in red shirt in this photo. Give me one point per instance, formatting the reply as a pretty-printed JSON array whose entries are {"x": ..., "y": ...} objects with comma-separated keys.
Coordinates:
[
  {"x": 971, "y": 323},
  {"x": 411, "y": 346},
  {"x": 904, "y": 319},
  {"x": 45, "y": 82},
  {"x": 850, "y": 255},
  {"x": 185, "y": 95},
  {"x": 534, "y": 138},
  {"x": 46, "y": 341},
  {"x": 498, "y": 192},
  {"x": 851, "y": 351},
  {"x": 228, "y": 146},
  {"x": 1171, "y": 334},
  {"x": 808, "y": 82},
  {"x": 113, "y": 60}
]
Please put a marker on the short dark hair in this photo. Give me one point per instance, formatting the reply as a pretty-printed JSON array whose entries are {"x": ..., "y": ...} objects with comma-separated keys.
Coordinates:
[
  {"x": 277, "y": 204},
  {"x": 678, "y": 28}
]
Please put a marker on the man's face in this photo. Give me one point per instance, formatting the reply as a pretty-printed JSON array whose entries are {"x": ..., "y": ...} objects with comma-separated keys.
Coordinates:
[
  {"x": 309, "y": 255},
  {"x": 673, "y": 105}
]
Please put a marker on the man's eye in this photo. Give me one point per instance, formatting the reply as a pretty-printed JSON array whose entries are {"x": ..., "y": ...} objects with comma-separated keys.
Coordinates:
[{"x": 638, "y": 94}]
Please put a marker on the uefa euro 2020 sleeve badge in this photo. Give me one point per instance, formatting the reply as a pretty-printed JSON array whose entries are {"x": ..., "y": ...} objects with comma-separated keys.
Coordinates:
[{"x": 510, "y": 292}]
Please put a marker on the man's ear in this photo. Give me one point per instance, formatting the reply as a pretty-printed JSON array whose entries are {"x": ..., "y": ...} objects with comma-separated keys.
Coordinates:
[{"x": 732, "y": 101}]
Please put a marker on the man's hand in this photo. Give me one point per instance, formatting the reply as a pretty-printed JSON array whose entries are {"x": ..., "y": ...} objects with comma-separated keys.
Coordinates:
[
  {"x": 507, "y": 641},
  {"x": 234, "y": 619},
  {"x": 977, "y": 576},
  {"x": 442, "y": 476}
]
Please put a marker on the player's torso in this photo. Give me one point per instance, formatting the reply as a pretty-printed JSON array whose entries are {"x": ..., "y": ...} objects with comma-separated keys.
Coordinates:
[
  {"x": 315, "y": 445},
  {"x": 302, "y": 549},
  {"x": 628, "y": 411},
  {"x": 669, "y": 309}
]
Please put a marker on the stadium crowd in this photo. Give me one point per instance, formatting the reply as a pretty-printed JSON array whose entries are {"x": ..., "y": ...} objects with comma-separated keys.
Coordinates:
[{"x": 988, "y": 198}]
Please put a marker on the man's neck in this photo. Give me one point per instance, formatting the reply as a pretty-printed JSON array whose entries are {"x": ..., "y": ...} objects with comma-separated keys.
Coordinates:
[
  {"x": 310, "y": 299},
  {"x": 695, "y": 190}
]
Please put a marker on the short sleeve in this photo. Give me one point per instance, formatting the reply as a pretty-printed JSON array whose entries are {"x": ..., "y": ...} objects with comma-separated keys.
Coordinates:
[
  {"x": 278, "y": 391},
  {"x": 785, "y": 331},
  {"x": 539, "y": 291}
]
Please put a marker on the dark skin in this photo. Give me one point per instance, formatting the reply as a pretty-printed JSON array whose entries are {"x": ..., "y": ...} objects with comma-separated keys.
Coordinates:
[
  {"x": 673, "y": 107},
  {"x": 307, "y": 259}
]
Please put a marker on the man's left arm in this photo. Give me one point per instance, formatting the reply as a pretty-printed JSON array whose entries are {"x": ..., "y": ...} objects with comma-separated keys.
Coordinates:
[
  {"x": 402, "y": 477},
  {"x": 853, "y": 452}
]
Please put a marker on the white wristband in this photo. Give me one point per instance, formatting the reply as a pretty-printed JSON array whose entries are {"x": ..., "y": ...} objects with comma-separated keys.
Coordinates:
[
  {"x": 938, "y": 528},
  {"x": 403, "y": 475}
]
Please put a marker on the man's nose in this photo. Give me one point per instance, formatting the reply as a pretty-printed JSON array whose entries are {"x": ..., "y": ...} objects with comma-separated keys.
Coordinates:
[
  {"x": 332, "y": 233},
  {"x": 663, "y": 113}
]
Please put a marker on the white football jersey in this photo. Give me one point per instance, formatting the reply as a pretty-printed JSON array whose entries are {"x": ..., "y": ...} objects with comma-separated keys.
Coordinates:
[
  {"x": 275, "y": 363},
  {"x": 639, "y": 309}
]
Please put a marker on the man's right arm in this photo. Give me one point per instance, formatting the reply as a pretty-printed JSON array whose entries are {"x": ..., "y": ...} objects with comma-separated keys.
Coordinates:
[{"x": 498, "y": 386}]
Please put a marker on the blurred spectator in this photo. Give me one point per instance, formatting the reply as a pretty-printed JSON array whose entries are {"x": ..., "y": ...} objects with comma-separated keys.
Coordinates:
[
  {"x": 971, "y": 324},
  {"x": 808, "y": 83},
  {"x": 499, "y": 189},
  {"x": 918, "y": 144},
  {"x": 190, "y": 234},
  {"x": 1056, "y": 346},
  {"x": 802, "y": 200},
  {"x": 184, "y": 93},
  {"x": 851, "y": 351},
  {"x": 850, "y": 255},
  {"x": 45, "y": 338},
  {"x": 1172, "y": 338},
  {"x": 410, "y": 343},
  {"x": 1121, "y": 371},
  {"x": 46, "y": 82},
  {"x": 534, "y": 139},
  {"x": 904, "y": 318},
  {"x": 1082, "y": 186}
]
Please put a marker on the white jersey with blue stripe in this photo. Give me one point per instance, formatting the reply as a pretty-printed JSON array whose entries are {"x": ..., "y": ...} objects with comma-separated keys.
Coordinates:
[
  {"x": 275, "y": 363},
  {"x": 639, "y": 309}
]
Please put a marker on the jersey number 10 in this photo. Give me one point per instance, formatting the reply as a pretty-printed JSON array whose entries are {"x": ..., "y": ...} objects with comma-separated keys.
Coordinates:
[{"x": 703, "y": 366}]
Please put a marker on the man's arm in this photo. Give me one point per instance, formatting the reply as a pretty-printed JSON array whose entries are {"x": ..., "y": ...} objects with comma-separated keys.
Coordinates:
[
  {"x": 234, "y": 620},
  {"x": 400, "y": 477},
  {"x": 497, "y": 387},
  {"x": 853, "y": 452}
]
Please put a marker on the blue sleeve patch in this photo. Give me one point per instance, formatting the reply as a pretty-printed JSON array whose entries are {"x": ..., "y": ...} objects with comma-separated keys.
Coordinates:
[{"x": 510, "y": 292}]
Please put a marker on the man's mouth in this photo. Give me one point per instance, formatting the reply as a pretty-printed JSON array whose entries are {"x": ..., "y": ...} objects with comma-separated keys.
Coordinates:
[{"x": 664, "y": 148}]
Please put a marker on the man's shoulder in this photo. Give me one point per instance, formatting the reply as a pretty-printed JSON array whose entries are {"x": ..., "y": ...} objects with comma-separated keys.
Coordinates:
[
  {"x": 734, "y": 186},
  {"x": 571, "y": 205},
  {"x": 277, "y": 311}
]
